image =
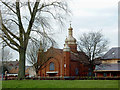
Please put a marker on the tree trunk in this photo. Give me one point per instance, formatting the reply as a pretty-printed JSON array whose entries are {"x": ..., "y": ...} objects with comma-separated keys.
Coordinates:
[
  {"x": 91, "y": 71},
  {"x": 91, "y": 68},
  {"x": 21, "y": 73}
]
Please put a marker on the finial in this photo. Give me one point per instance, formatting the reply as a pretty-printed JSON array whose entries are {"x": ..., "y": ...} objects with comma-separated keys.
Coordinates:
[
  {"x": 40, "y": 43},
  {"x": 70, "y": 23},
  {"x": 41, "y": 48},
  {"x": 70, "y": 28}
]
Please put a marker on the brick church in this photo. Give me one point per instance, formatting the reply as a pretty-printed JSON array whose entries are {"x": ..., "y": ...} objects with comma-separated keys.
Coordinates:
[{"x": 64, "y": 62}]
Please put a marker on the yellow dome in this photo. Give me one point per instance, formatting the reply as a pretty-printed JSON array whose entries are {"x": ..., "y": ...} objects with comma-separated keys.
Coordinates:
[{"x": 70, "y": 40}]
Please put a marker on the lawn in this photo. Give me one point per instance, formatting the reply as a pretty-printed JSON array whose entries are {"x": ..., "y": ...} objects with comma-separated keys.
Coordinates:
[
  {"x": 0, "y": 84},
  {"x": 60, "y": 84}
]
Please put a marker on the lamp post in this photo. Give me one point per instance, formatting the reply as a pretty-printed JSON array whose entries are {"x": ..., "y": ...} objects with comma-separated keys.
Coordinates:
[
  {"x": 2, "y": 44},
  {"x": 2, "y": 59}
]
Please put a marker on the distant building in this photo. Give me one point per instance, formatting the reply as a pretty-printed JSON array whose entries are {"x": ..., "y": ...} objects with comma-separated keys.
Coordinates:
[
  {"x": 64, "y": 62},
  {"x": 110, "y": 64},
  {"x": 12, "y": 68}
]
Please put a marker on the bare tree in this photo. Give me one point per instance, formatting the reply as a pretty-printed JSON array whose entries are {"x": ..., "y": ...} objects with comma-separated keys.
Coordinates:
[
  {"x": 21, "y": 19},
  {"x": 94, "y": 45},
  {"x": 7, "y": 55},
  {"x": 32, "y": 54}
]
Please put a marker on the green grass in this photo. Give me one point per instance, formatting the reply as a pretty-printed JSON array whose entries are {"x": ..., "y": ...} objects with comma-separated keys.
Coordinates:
[
  {"x": 0, "y": 84},
  {"x": 60, "y": 84}
]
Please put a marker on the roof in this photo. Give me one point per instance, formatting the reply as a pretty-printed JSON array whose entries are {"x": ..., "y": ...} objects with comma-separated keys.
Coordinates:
[
  {"x": 54, "y": 50},
  {"x": 97, "y": 61},
  {"x": 13, "y": 67},
  {"x": 79, "y": 56},
  {"x": 16, "y": 69},
  {"x": 113, "y": 53},
  {"x": 10, "y": 64},
  {"x": 50, "y": 53},
  {"x": 107, "y": 67}
]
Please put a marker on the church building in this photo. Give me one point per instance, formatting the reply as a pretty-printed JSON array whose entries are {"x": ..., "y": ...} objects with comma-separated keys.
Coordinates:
[{"x": 64, "y": 62}]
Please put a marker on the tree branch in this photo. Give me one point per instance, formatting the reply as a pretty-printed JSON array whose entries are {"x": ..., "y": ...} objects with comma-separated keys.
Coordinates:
[
  {"x": 4, "y": 27},
  {"x": 12, "y": 41},
  {"x": 49, "y": 13},
  {"x": 13, "y": 21},
  {"x": 29, "y": 7},
  {"x": 21, "y": 29},
  {"x": 9, "y": 44},
  {"x": 8, "y": 6},
  {"x": 32, "y": 17},
  {"x": 43, "y": 5}
]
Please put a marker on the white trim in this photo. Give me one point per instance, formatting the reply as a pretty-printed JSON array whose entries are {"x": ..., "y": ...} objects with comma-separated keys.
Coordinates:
[
  {"x": 48, "y": 72},
  {"x": 12, "y": 74},
  {"x": 64, "y": 65}
]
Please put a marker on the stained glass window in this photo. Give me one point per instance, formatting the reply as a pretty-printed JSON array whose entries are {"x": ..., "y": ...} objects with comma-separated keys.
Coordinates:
[
  {"x": 52, "y": 66},
  {"x": 76, "y": 71}
]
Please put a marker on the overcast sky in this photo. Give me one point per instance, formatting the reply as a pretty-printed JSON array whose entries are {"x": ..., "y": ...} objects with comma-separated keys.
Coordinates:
[{"x": 91, "y": 15}]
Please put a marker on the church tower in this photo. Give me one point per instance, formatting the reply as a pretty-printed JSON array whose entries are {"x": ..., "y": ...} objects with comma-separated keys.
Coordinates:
[
  {"x": 71, "y": 41},
  {"x": 66, "y": 60},
  {"x": 70, "y": 45}
]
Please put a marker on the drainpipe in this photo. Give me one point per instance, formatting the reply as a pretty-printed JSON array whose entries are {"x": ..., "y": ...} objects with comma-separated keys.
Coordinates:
[{"x": 61, "y": 67}]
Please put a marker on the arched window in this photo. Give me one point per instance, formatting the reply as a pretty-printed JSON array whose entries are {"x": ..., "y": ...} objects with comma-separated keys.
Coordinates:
[
  {"x": 52, "y": 67},
  {"x": 76, "y": 71}
]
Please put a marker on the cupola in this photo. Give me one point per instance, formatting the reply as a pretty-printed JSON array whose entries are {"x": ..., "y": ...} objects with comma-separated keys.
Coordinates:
[{"x": 70, "y": 39}]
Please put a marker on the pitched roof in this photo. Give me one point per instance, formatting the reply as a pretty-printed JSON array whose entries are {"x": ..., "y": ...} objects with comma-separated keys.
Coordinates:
[
  {"x": 108, "y": 67},
  {"x": 113, "y": 53},
  {"x": 11, "y": 63},
  {"x": 13, "y": 67},
  {"x": 16, "y": 69},
  {"x": 50, "y": 53},
  {"x": 97, "y": 61},
  {"x": 80, "y": 56}
]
